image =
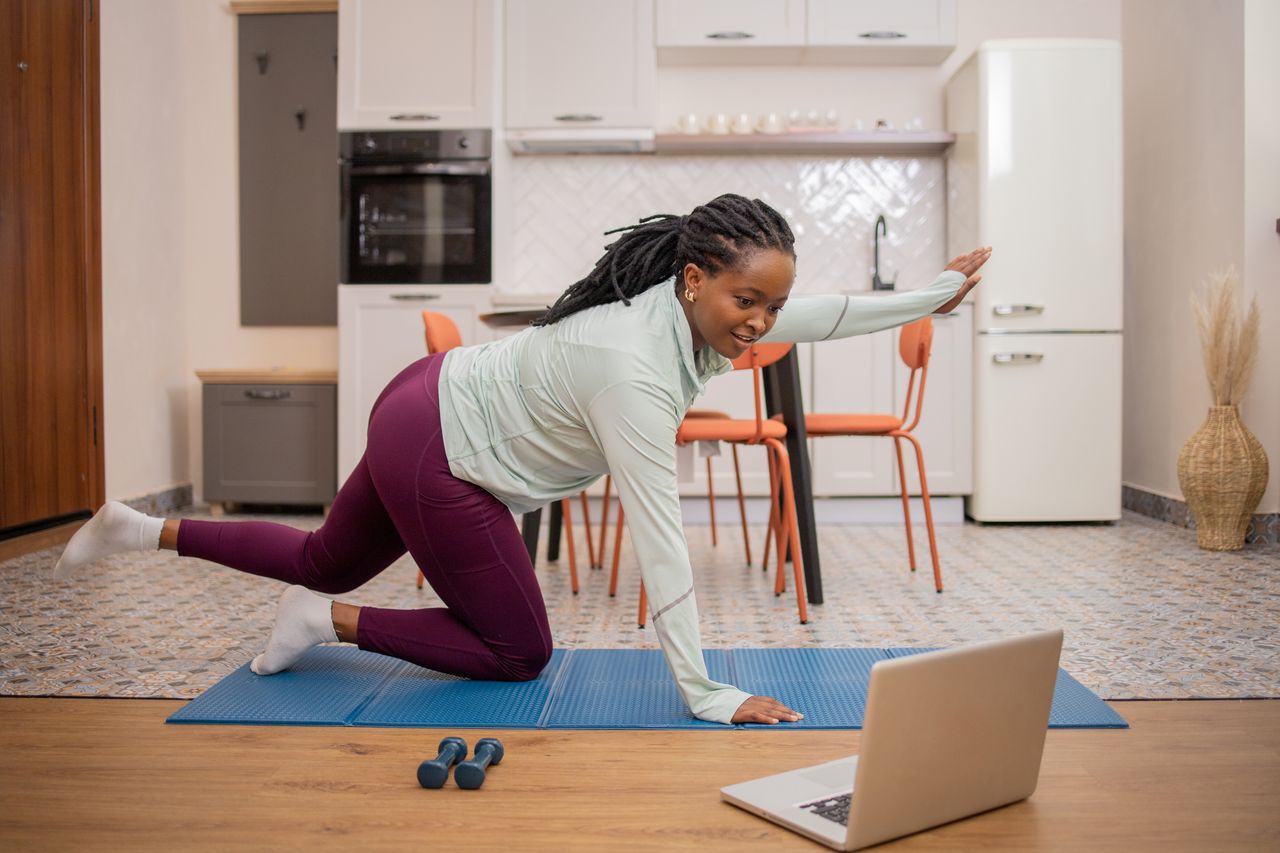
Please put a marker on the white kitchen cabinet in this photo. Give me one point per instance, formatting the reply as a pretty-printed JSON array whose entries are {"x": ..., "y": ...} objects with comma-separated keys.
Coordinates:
[
  {"x": 415, "y": 64},
  {"x": 946, "y": 423},
  {"x": 579, "y": 64},
  {"x": 888, "y": 31},
  {"x": 719, "y": 24},
  {"x": 855, "y": 32},
  {"x": 380, "y": 332}
]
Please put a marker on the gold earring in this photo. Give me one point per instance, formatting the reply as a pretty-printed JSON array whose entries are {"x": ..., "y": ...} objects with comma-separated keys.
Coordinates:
[{"x": 690, "y": 295}]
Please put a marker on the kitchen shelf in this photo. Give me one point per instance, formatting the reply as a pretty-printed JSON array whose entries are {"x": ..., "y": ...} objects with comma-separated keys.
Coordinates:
[{"x": 919, "y": 143}]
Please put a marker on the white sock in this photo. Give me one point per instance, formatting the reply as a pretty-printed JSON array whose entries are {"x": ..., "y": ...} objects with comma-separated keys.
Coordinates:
[
  {"x": 114, "y": 529},
  {"x": 303, "y": 619}
]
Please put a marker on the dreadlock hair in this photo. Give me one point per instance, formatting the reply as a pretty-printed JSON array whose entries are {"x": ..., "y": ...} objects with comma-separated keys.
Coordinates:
[{"x": 716, "y": 236}]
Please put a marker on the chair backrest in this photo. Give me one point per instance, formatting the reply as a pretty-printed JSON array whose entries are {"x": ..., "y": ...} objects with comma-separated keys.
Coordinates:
[
  {"x": 915, "y": 341},
  {"x": 441, "y": 332},
  {"x": 761, "y": 355},
  {"x": 754, "y": 359}
]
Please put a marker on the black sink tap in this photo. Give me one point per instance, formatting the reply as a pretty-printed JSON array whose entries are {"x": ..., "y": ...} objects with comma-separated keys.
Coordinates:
[{"x": 878, "y": 283}]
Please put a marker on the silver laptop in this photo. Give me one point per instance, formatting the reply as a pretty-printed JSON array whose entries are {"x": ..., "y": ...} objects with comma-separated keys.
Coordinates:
[{"x": 947, "y": 734}]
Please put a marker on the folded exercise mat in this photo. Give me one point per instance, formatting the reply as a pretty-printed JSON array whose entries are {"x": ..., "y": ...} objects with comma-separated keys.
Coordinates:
[
  {"x": 423, "y": 697},
  {"x": 627, "y": 689},
  {"x": 579, "y": 689},
  {"x": 1074, "y": 705},
  {"x": 327, "y": 687}
]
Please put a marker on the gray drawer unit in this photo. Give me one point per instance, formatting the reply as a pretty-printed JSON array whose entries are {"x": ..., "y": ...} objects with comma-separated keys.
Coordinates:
[{"x": 270, "y": 443}]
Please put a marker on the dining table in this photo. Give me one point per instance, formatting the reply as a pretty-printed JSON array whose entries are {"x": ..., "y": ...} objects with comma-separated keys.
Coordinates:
[{"x": 782, "y": 397}]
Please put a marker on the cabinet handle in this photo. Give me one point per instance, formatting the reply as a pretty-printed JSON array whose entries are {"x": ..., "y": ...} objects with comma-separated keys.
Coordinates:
[
  {"x": 1007, "y": 310},
  {"x": 579, "y": 117},
  {"x": 414, "y": 297},
  {"x": 414, "y": 117},
  {"x": 1017, "y": 357},
  {"x": 882, "y": 34},
  {"x": 731, "y": 35},
  {"x": 274, "y": 394}
]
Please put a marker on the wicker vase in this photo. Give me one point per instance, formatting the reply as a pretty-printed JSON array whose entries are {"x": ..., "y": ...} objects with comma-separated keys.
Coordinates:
[{"x": 1223, "y": 472}]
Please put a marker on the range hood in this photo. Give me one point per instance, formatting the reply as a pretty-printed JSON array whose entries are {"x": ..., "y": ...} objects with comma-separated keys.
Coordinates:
[{"x": 599, "y": 140}]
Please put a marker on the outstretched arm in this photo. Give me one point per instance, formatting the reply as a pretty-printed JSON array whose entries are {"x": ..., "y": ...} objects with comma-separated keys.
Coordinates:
[
  {"x": 636, "y": 427},
  {"x": 827, "y": 317}
]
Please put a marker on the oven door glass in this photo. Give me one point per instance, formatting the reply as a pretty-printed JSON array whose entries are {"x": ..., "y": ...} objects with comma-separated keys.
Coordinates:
[{"x": 424, "y": 224}]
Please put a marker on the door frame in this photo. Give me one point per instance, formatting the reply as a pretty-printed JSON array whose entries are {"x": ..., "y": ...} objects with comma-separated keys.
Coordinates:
[{"x": 92, "y": 250}]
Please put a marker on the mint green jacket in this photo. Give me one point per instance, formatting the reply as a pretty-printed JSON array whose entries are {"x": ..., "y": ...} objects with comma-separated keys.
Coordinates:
[{"x": 544, "y": 413}]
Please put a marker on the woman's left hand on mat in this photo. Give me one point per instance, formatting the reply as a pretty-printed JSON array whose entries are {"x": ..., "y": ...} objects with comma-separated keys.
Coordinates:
[{"x": 764, "y": 709}]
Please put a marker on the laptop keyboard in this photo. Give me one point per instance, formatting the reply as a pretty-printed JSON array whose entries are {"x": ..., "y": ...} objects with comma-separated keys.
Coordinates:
[{"x": 835, "y": 809}]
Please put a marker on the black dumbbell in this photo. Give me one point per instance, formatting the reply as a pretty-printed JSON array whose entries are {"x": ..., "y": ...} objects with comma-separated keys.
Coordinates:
[
  {"x": 433, "y": 773},
  {"x": 470, "y": 774}
]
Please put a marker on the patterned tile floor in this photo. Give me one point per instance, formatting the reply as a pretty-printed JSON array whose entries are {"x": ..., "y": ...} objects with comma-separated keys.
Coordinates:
[{"x": 1146, "y": 613}]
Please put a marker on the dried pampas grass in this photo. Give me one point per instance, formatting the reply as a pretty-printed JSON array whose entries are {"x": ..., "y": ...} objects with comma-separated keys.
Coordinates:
[{"x": 1229, "y": 345}]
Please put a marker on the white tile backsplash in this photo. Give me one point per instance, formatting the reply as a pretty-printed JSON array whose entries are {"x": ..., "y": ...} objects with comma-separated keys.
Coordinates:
[{"x": 561, "y": 205}]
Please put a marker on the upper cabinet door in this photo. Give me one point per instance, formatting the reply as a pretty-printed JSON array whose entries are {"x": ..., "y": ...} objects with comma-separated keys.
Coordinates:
[
  {"x": 415, "y": 64},
  {"x": 877, "y": 21},
  {"x": 904, "y": 31},
  {"x": 580, "y": 63},
  {"x": 890, "y": 31},
  {"x": 730, "y": 23}
]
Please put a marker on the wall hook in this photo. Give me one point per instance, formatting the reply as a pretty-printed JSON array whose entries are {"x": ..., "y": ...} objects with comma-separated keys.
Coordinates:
[
  {"x": 264, "y": 59},
  {"x": 301, "y": 115}
]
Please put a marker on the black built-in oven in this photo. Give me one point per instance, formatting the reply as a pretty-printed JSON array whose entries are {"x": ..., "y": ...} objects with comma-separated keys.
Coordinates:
[{"x": 416, "y": 207}]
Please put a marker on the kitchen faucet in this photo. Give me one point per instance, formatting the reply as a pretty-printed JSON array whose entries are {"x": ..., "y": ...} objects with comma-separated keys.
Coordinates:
[{"x": 878, "y": 283}]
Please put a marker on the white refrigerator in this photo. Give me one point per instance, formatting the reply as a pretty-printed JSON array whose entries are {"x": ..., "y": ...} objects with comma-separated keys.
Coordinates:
[{"x": 1036, "y": 173}]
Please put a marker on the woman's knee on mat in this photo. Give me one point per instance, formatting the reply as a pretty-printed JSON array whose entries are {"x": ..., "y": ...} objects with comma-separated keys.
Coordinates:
[{"x": 524, "y": 664}]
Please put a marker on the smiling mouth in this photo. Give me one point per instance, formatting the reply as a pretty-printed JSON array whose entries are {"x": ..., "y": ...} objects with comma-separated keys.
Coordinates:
[{"x": 743, "y": 339}]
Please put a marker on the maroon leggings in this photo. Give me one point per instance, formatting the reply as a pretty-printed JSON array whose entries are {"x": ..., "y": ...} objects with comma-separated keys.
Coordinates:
[{"x": 402, "y": 496}]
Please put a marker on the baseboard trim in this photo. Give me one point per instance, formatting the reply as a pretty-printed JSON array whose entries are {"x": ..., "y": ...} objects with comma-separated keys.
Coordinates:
[
  {"x": 163, "y": 502},
  {"x": 1263, "y": 529}
]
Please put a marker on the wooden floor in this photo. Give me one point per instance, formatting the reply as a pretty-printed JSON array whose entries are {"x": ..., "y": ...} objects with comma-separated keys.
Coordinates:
[{"x": 94, "y": 774}]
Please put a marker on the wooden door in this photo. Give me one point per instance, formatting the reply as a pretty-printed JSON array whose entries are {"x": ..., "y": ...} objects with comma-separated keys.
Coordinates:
[{"x": 50, "y": 264}]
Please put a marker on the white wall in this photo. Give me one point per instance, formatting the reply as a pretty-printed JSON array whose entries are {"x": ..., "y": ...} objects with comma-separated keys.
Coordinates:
[
  {"x": 170, "y": 240},
  {"x": 1261, "y": 409},
  {"x": 1200, "y": 193},
  {"x": 144, "y": 182}
]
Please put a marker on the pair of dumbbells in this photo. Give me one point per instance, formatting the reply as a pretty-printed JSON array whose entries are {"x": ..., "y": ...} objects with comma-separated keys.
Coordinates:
[{"x": 434, "y": 772}]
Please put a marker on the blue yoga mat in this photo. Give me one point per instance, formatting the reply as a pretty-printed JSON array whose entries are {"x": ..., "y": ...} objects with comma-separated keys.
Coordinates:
[{"x": 579, "y": 689}]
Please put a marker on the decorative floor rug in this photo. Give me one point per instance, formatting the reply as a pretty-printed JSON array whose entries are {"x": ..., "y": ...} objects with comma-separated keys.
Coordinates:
[{"x": 1146, "y": 614}]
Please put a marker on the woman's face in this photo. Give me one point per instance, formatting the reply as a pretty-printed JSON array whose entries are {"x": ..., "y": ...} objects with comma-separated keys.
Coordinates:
[{"x": 734, "y": 308}]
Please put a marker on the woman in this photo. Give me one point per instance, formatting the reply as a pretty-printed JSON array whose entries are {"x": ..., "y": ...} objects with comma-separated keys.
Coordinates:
[{"x": 459, "y": 441}]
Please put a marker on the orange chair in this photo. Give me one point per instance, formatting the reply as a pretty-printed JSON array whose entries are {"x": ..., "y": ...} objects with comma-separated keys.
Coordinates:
[
  {"x": 694, "y": 414},
  {"x": 914, "y": 343},
  {"x": 442, "y": 334},
  {"x": 758, "y": 431}
]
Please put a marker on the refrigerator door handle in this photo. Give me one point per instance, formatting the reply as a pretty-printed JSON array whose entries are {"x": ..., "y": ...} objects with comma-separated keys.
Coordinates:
[
  {"x": 1017, "y": 357},
  {"x": 1008, "y": 310}
]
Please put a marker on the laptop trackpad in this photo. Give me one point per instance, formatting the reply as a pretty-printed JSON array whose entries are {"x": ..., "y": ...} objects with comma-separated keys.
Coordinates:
[{"x": 838, "y": 775}]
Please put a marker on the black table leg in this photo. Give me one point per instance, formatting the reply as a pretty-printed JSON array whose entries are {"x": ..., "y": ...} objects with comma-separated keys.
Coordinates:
[
  {"x": 529, "y": 523},
  {"x": 555, "y": 523},
  {"x": 782, "y": 395}
]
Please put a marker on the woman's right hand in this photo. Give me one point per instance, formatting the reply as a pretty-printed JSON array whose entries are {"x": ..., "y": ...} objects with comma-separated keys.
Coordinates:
[{"x": 765, "y": 709}]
